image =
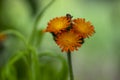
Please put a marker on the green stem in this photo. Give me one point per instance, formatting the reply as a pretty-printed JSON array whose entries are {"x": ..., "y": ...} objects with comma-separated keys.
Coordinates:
[
  {"x": 17, "y": 57},
  {"x": 18, "y": 34},
  {"x": 70, "y": 65},
  {"x": 37, "y": 20},
  {"x": 34, "y": 63}
]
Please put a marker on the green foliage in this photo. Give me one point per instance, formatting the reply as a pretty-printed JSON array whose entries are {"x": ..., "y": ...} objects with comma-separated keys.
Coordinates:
[
  {"x": 27, "y": 63},
  {"x": 50, "y": 67}
]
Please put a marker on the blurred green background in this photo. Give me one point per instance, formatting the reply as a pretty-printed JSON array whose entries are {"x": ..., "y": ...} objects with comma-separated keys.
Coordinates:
[{"x": 99, "y": 56}]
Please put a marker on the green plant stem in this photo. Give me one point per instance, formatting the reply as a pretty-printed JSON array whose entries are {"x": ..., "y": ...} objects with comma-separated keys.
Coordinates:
[
  {"x": 70, "y": 65},
  {"x": 17, "y": 57},
  {"x": 17, "y": 34},
  {"x": 34, "y": 62},
  {"x": 32, "y": 37}
]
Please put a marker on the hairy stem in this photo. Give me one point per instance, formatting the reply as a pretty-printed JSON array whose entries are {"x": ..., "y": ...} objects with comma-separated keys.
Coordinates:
[{"x": 70, "y": 65}]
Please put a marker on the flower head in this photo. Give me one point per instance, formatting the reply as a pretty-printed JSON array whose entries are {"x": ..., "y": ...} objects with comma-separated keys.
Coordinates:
[
  {"x": 83, "y": 28},
  {"x": 69, "y": 34},
  {"x": 58, "y": 24},
  {"x": 68, "y": 41}
]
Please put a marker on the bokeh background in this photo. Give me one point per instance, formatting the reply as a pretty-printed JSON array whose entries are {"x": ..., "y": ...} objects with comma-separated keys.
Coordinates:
[{"x": 99, "y": 56}]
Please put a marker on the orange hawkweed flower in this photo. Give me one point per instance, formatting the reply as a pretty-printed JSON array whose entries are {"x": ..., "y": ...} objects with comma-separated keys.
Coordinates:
[
  {"x": 58, "y": 24},
  {"x": 68, "y": 41},
  {"x": 83, "y": 28},
  {"x": 69, "y": 34},
  {"x": 2, "y": 37}
]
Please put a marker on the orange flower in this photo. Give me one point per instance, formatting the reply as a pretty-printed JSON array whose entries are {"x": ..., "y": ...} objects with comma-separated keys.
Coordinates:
[
  {"x": 2, "y": 37},
  {"x": 69, "y": 34},
  {"x": 68, "y": 41},
  {"x": 58, "y": 24},
  {"x": 83, "y": 28}
]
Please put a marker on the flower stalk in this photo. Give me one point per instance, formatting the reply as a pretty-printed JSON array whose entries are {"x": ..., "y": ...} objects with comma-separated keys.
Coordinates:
[
  {"x": 70, "y": 65},
  {"x": 69, "y": 34},
  {"x": 38, "y": 18}
]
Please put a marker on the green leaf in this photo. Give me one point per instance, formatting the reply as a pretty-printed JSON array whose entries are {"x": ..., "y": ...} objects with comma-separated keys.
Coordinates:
[
  {"x": 8, "y": 73},
  {"x": 17, "y": 68}
]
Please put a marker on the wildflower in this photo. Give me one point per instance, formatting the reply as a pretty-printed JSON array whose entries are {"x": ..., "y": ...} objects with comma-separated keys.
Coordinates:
[
  {"x": 68, "y": 41},
  {"x": 58, "y": 24},
  {"x": 83, "y": 28},
  {"x": 69, "y": 34}
]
